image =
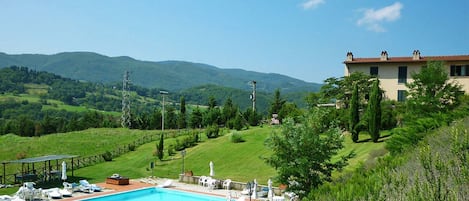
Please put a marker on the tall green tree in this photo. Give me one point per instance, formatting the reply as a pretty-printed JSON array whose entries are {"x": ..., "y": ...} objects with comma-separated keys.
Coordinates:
[
  {"x": 229, "y": 111},
  {"x": 276, "y": 104},
  {"x": 212, "y": 115},
  {"x": 196, "y": 118},
  {"x": 302, "y": 154},
  {"x": 354, "y": 114},
  {"x": 170, "y": 117},
  {"x": 182, "y": 122},
  {"x": 431, "y": 91},
  {"x": 374, "y": 111},
  {"x": 160, "y": 147}
]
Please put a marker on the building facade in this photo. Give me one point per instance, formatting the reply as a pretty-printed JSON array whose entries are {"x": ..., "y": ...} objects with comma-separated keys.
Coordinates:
[{"x": 395, "y": 72}]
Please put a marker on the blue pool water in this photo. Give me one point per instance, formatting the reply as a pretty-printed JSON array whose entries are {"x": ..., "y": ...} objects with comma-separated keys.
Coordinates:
[{"x": 156, "y": 194}]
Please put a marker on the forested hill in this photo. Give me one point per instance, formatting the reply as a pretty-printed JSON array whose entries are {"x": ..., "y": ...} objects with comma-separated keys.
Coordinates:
[{"x": 170, "y": 75}]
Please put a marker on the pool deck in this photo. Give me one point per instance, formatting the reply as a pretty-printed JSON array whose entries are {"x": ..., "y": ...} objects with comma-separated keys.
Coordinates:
[{"x": 135, "y": 184}]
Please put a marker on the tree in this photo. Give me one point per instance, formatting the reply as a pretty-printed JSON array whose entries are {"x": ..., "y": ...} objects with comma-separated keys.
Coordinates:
[
  {"x": 313, "y": 99},
  {"x": 182, "y": 113},
  {"x": 276, "y": 104},
  {"x": 212, "y": 102},
  {"x": 160, "y": 147},
  {"x": 302, "y": 154},
  {"x": 229, "y": 111},
  {"x": 170, "y": 117},
  {"x": 252, "y": 117},
  {"x": 196, "y": 118},
  {"x": 431, "y": 91},
  {"x": 212, "y": 114},
  {"x": 354, "y": 114},
  {"x": 341, "y": 88},
  {"x": 374, "y": 111}
]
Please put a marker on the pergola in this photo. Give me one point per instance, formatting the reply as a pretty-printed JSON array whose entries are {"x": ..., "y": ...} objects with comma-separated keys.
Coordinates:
[{"x": 31, "y": 173}]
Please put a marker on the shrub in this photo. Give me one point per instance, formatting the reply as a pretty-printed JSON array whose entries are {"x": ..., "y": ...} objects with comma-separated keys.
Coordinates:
[
  {"x": 178, "y": 146},
  {"x": 237, "y": 138},
  {"x": 107, "y": 156},
  {"x": 212, "y": 131},
  {"x": 171, "y": 150},
  {"x": 131, "y": 147}
]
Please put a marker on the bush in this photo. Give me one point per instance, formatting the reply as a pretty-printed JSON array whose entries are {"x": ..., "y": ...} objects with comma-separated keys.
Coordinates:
[
  {"x": 171, "y": 150},
  {"x": 237, "y": 138},
  {"x": 131, "y": 147},
  {"x": 178, "y": 146},
  {"x": 107, "y": 156},
  {"x": 212, "y": 131}
]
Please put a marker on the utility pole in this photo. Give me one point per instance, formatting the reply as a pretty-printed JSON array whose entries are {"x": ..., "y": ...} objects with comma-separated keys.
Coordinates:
[
  {"x": 253, "y": 95},
  {"x": 125, "y": 118}
]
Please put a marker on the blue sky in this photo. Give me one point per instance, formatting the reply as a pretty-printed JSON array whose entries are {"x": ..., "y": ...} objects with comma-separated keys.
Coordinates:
[{"x": 304, "y": 39}]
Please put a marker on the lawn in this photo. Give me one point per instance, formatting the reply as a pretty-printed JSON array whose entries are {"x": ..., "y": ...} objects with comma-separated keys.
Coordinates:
[{"x": 237, "y": 161}]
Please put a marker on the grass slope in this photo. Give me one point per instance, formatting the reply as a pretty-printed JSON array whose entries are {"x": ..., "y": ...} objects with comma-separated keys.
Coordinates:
[{"x": 237, "y": 161}]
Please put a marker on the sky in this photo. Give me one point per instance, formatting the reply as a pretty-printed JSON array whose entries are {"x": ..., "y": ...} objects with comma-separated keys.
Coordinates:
[{"x": 303, "y": 39}]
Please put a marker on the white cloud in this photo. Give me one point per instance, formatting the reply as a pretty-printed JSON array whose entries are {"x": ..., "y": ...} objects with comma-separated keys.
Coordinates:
[
  {"x": 372, "y": 18},
  {"x": 312, "y": 4}
]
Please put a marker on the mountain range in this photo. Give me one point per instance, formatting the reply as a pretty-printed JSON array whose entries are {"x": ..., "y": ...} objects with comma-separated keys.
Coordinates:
[{"x": 168, "y": 75}]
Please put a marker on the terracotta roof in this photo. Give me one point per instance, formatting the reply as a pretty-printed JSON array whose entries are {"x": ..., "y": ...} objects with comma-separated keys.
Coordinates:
[{"x": 409, "y": 59}]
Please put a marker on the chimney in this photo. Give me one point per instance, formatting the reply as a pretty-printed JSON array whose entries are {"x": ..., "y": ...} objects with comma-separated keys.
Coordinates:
[
  {"x": 384, "y": 56},
  {"x": 349, "y": 56},
  {"x": 416, "y": 55}
]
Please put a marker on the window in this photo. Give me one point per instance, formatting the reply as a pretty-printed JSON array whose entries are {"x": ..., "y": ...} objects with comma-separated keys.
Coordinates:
[
  {"x": 401, "y": 95},
  {"x": 459, "y": 70},
  {"x": 402, "y": 76},
  {"x": 374, "y": 71}
]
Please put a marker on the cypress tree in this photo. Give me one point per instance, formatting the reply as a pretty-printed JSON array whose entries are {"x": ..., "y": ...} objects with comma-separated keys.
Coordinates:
[
  {"x": 160, "y": 147},
  {"x": 354, "y": 113},
  {"x": 182, "y": 122},
  {"x": 374, "y": 111}
]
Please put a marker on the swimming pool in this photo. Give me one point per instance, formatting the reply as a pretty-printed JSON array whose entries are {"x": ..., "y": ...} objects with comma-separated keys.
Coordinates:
[{"x": 156, "y": 194}]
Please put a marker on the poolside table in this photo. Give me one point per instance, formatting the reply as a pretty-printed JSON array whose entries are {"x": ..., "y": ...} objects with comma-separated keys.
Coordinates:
[{"x": 117, "y": 181}]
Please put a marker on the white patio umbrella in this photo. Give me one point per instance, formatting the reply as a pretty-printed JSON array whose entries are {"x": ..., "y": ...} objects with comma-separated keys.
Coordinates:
[
  {"x": 64, "y": 171},
  {"x": 212, "y": 171},
  {"x": 270, "y": 194}
]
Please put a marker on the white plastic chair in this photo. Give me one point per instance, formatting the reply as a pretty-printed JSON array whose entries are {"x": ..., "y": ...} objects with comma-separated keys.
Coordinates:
[{"x": 227, "y": 184}]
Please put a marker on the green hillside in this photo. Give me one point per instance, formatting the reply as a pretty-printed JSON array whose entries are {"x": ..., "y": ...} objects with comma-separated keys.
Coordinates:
[
  {"x": 170, "y": 75},
  {"x": 237, "y": 161}
]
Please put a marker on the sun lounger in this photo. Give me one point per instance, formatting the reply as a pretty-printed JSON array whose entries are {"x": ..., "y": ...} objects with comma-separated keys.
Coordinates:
[
  {"x": 168, "y": 183},
  {"x": 52, "y": 193},
  {"x": 87, "y": 187},
  {"x": 5, "y": 198}
]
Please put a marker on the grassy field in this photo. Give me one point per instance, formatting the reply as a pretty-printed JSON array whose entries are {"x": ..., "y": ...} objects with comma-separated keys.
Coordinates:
[
  {"x": 237, "y": 161},
  {"x": 52, "y": 104}
]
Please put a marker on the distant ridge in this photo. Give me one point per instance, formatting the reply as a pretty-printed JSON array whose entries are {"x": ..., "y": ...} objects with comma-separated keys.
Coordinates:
[{"x": 170, "y": 75}]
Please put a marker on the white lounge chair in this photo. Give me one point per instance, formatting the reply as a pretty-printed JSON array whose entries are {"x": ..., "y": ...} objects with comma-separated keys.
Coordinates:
[
  {"x": 202, "y": 180},
  {"x": 168, "y": 183},
  {"x": 86, "y": 186},
  {"x": 206, "y": 181},
  {"x": 278, "y": 198},
  {"x": 212, "y": 183},
  {"x": 10, "y": 198},
  {"x": 5, "y": 198},
  {"x": 52, "y": 193}
]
